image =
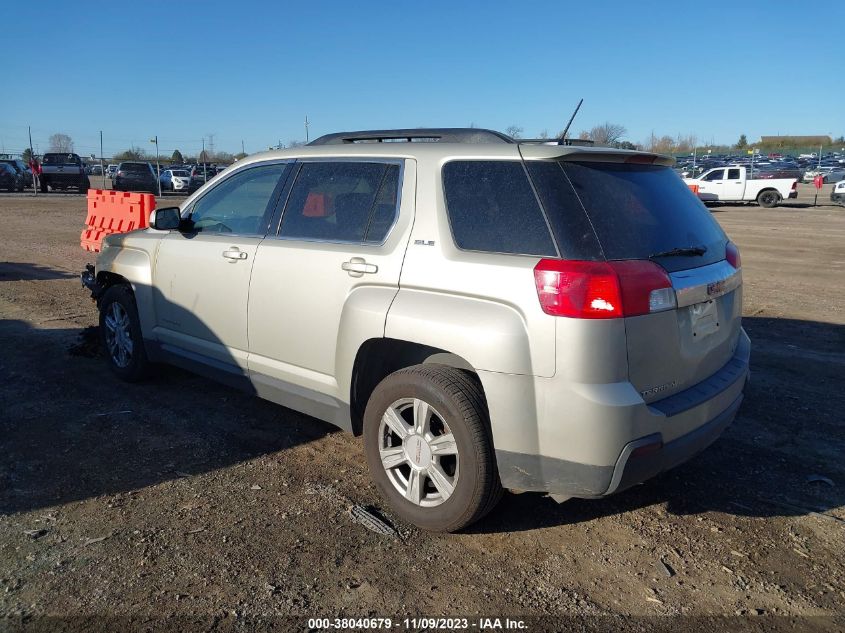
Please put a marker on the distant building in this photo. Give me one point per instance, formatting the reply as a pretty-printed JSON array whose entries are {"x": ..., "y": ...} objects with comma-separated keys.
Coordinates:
[{"x": 795, "y": 141}]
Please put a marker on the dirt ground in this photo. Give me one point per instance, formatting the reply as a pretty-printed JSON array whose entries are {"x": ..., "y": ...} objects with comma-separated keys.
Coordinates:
[{"x": 181, "y": 501}]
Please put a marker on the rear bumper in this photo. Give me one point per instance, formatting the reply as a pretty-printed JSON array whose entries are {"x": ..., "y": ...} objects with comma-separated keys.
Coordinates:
[{"x": 611, "y": 439}]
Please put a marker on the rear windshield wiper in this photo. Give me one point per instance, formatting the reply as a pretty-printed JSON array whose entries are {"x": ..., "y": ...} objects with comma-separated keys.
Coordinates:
[{"x": 682, "y": 252}]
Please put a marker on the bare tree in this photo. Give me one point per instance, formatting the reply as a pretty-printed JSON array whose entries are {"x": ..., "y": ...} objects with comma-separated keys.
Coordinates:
[
  {"x": 133, "y": 153},
  {"x": 514, "y": 131},
  {"x": 607, "y": 133},
  {"x": 544, "y": 134},
  {"x": 61, "y": 143}
]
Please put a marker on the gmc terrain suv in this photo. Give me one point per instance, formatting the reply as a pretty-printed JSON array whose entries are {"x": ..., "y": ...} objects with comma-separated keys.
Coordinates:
[{"x": 486, "y": 312}]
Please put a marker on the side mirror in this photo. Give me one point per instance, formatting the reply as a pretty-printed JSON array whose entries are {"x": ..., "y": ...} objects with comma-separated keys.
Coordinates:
[{"x": 166, "y": 219}]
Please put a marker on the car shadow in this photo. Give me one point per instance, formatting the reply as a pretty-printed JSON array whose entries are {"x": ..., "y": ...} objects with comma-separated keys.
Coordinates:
[
  {"x": 782, "y": 456},
  {"x": 26, "y": 271},
  {"x": 70, "y": 430}
]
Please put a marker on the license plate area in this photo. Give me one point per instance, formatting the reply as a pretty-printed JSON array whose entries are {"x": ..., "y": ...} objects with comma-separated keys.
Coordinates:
[{"x": 704, "y": 319}]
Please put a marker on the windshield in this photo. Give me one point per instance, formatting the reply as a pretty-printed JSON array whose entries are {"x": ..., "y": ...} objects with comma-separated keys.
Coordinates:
[
  {"x": 180, "y": 173},
  {"x": 634, "y": 211}
]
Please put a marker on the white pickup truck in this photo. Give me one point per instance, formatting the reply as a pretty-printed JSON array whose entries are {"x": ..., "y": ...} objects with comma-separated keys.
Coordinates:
[{"x": 731, "y": 184}]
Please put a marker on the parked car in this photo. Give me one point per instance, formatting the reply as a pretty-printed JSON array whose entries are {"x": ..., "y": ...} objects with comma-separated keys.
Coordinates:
[
  {"x": 21, "y": 169},
  {"x": 10, "y": 179},
  {"x": 829, "y": 172},
  {"x": 60, "y": 171},
  {"x": 775, "y": 171},
  {"x": 135, "y": 176},
  {"x": 837, "y": 194},
  {"x": 111, "y": 170},
  {"x": 456, "y": 302},
  {"x": 175, "y": 180},
  {"x": 95, "y": 170},
  {"x": 731, "y": 184},
  {"x": 200, "y": 174}
]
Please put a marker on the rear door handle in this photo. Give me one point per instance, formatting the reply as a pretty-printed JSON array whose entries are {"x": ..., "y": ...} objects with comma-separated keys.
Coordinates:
[
  {"x": 234, "y": 254},
  {"x": 357, "y": 266}
]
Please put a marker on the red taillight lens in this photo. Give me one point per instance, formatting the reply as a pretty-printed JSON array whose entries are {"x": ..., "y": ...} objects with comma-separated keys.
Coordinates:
[
  {"x": 732, "y": 255},
  {"x": 602, "y": 290},
  {"x": 795, "y": 184}
]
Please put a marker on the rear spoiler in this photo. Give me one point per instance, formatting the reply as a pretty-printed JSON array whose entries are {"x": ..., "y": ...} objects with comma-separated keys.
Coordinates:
[{"x": 592, "y": 154}]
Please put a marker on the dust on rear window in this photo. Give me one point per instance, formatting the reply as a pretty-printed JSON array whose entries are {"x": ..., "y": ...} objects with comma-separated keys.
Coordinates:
[{"x": 635, "y": 211}]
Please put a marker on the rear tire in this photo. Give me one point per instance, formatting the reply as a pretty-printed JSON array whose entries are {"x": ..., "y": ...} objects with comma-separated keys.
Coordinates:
[
  {"x": 448, "y": 456},
  {"x": 42, "y": 185},
  {"x": 120, "y": 334},
  {"x": 84, "y": 186},
  {"x": 768, "y": 198}
]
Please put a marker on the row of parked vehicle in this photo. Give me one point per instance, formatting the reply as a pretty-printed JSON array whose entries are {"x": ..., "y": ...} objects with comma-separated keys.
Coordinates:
[
  {"x": 143, "y": 176},
  {"x": 775, "y": 166}
]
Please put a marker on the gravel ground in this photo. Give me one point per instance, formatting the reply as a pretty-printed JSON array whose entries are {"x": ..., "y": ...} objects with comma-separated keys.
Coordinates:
[{"x": 180, "y": 503}]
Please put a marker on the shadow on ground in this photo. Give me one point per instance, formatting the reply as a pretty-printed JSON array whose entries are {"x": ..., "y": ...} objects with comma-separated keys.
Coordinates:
[{"x": 71, "y": 431}]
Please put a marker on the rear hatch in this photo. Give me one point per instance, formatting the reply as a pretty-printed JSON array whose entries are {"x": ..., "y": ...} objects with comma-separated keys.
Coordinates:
[{"x": 623, "y": 207}]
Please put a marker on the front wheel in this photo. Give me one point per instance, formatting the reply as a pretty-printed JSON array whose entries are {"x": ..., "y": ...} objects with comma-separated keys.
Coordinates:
[
  {"x": 768, "y": 198},
  {"x": 429, "y": 448},
  {"x": 120, "y": 333}
]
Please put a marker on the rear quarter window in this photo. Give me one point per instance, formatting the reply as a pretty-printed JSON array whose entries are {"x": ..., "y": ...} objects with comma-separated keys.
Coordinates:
[{"x": 492, "y": 208}]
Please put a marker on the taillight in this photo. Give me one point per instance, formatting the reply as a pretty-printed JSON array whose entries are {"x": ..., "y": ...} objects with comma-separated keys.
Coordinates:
[
  {"x": 795, "y": 184},
  {"x": 602, "y": 290},
  {"x": 732, "y": 255}
]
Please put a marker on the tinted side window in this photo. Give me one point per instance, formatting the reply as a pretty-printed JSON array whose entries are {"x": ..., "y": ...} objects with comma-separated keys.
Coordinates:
[
  {"x": 342, "y": 201},
  {"x": 492, "y": 208},
  {"x": 733, "y": 174},
  {"x": 715, "y": 175},
  {"x": 239, "y": 204}
]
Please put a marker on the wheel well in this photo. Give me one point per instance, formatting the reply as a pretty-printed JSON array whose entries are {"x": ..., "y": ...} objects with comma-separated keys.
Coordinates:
[
  {"x": 768, "y": 189},
  {"x": 378, "y": 358},
  {"x": 107, "y": 280}
]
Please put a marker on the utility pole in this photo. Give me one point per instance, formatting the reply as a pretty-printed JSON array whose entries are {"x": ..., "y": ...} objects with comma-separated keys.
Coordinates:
[
  {"x": 158, "y": 165},
  {"x": 32, "y": 161},
  {"x": 204, "y": 161},
  {"x": 242, "y": 147},
  {"x": 102, "y": 165},
  {"x": 306, "y": 128}
]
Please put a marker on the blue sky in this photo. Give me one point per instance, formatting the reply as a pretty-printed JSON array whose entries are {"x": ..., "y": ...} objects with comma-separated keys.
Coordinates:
[{"x": 251, "y": 71}]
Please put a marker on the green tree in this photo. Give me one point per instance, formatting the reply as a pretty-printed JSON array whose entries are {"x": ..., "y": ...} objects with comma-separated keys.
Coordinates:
[
  {"x": 176, "y": 157},
  {"x": 27, "y": 155},
  {"x": 742, "y": 143}
]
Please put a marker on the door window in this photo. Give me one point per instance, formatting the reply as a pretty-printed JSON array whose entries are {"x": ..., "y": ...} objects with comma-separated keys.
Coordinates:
[
  {"x": 342, "y": 202},
  {"x": 241, "y": 204},
  {"x": 715, "y": 175},
  {"x": 733, "y": 174}
]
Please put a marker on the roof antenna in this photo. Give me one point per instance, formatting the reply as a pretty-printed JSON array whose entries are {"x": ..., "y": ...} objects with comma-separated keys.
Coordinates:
[{"x": 562, "y": 139}]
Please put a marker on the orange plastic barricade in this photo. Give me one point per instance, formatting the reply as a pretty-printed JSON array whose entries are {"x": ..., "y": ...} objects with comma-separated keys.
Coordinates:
[
  {"x": 693, "y": 188},
  {"x": 114, "y": 212}
]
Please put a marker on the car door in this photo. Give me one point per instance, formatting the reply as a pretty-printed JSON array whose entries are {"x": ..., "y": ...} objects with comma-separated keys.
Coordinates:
[
  {"x": 711, "y": 185},
  {"x": 324, "y": 283},
  {"x": 733, "y": 186},
  {"x": 201, "y": 275}
]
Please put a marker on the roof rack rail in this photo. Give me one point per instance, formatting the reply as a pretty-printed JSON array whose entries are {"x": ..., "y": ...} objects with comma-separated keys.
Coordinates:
[
  {"x": 416, "y": 135},
  {"x": 557, "y": 141}
]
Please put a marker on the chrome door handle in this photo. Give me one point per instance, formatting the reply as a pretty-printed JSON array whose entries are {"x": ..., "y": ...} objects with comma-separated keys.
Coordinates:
[
  {"x": 234, "y": 254},
  {"x": 357, "y": 266}
]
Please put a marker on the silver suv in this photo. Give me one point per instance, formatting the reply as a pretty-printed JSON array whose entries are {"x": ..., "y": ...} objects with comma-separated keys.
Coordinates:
[{"x": 487, "y": 313}]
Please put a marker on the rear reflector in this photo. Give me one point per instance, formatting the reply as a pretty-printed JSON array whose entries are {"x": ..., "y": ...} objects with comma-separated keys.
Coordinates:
[
  {"x": 602, "y": 290},
  {"x": 732, "y": 255}
]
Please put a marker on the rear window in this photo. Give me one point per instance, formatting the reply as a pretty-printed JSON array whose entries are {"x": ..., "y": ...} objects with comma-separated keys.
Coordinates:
[
  {"x": 135, "y": 168},
  {"x": 180, "y": 173},
  {"x": 61, "y": 159},
  {"x": 492, "y": 208},
  {"x": 635, "y": 211}
]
